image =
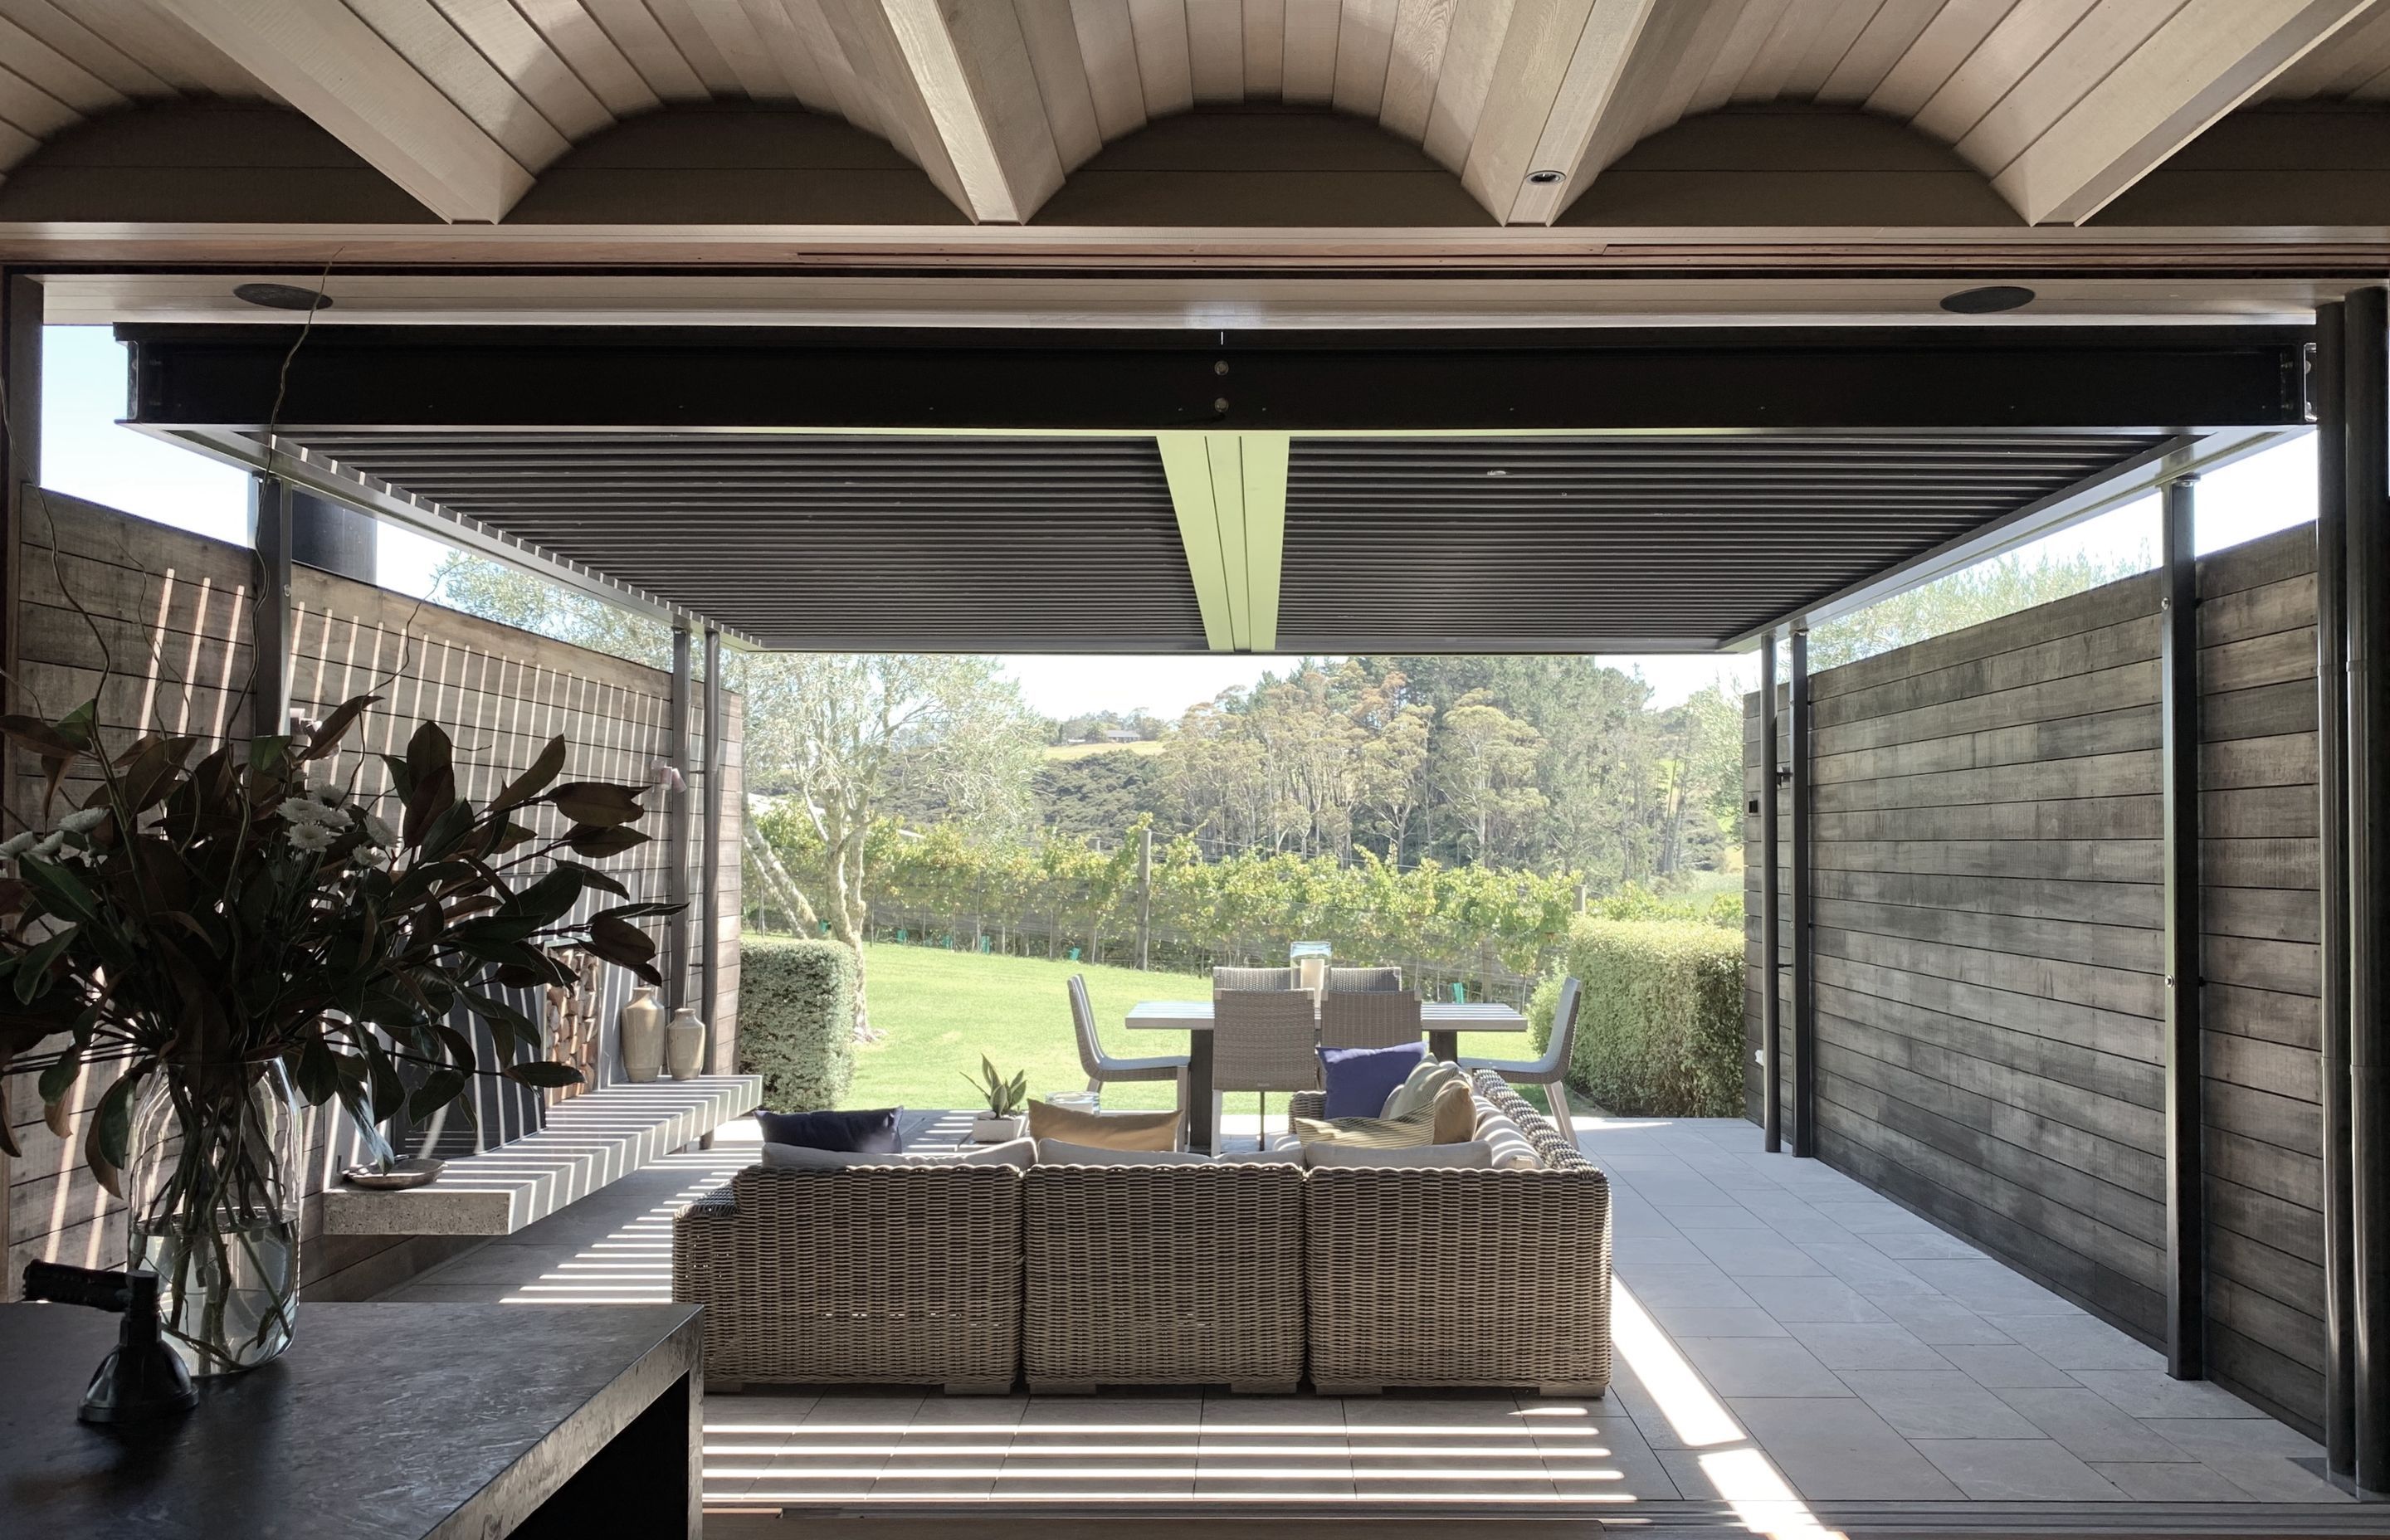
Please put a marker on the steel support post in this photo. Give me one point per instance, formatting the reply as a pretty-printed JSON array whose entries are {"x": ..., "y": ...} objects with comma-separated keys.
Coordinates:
[
  {"x": 2365, "y": 470},
  {"x": 2186, "y": 1331},
  {"x": 1805, "y": 951},
  {"x": 709, "y": 886},
  {"x": 2332, "y": 828},
  {"x": 1771, "y": 1004},
  {"x": 20, "y": 448},
  {"x": 269, "y": 613},
  {"x": 677, "y": 830}
]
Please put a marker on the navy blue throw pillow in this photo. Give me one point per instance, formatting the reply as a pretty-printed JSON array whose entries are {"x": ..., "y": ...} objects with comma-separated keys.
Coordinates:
[
  {"x": 1358, "y": 1081},
  {"x": 873, "y": 1133}
]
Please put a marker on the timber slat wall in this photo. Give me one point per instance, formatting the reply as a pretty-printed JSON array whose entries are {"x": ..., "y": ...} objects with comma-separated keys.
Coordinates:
[
  {"x": 168, "y": 621},
  {"x": 1988, "y": 977}
]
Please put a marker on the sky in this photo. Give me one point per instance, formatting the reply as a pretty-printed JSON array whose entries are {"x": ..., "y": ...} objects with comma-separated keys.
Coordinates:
[{"x": 85, "y": 453}]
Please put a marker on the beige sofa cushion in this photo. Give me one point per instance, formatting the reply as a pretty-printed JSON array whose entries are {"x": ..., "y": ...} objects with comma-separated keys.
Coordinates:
[
  {"x": 1061, "y": 1152},
  {"x": 1469, "y": 1155},
  {"x": 790, "y": 1157},
  {"x": 1447, "y": 1120},
  {"x": 1419, "y": 1090},
  {"x": 1103, "y": 1130}
]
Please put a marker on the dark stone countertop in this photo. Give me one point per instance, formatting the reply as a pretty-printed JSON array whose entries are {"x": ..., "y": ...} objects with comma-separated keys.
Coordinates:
[{"x": 382, "y": 1422}]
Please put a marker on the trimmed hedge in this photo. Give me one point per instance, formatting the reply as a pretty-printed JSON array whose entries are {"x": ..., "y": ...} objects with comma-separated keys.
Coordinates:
[
  {"x": 796, "y": 1019},
  {"x": 1660, "y": 1030}
]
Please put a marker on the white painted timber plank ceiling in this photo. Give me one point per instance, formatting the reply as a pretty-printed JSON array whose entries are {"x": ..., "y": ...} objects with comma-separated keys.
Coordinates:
[{"x": 2063, "y": 104}]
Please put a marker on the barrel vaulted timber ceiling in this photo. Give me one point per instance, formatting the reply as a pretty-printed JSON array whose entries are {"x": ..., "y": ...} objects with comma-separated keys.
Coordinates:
[{"x": 2062, "y": 105}]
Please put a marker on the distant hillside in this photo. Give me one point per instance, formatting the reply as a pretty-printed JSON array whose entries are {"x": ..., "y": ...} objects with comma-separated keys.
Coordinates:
[{"x": 1088, "y": 751}]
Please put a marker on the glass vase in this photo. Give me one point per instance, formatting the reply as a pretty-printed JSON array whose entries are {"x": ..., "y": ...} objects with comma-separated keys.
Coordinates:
[{"x": 211, "y": 1180}]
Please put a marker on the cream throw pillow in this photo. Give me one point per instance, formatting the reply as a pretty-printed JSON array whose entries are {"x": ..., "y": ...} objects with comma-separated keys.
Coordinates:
[
  {"x": 1447, "y": 1120},
  {"x": 1059, "y": 1153},
  {"x": 1419, "y": 1090},
  {"x": 1103, "y": 1130}
]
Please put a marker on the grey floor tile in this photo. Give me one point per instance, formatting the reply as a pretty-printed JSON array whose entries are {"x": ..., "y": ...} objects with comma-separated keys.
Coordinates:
[
  {"x": 968, "y": 1411},
  {"x": 2088, "y": 1426},
  {"x": 1944, "y": 1322},
  {"x": 1759, "y": 1366},
  {"x": 1840, "y": 1450},
  {"x": 1913, "y": 1241},
  {"x": 1672, "y": 1194},
  {"x": 1693, "y": 1320},
  {"x": 1300, "y": 1411},
  {"x": 1866, "y": 1345},
  {"x": 2170, "y": 1484},
  {"x": 1998, "y": 1470},
  {"x": 2009, "y": 1368},
  {"x": 1866, "y": 1269},
  {"x": 2149, "y": 1392},
  {"x": 1759, "y": 1254},
  {"x": 2078, "y": 1342},
  {"x": 1719, "y": 1217},
  {"x": 1692, "y": 1283},
  {"x": 1869, "y": 1216},
  {"x": 1671, "y": 1249},
  {"x": 757, "y": 1408},
  {"x": 1989, "y": 1288},
  {"x": 1818, "y": 1299},
  {"x": 1937, "y": 1403},
  {"x": 2247, "y": 1435}
]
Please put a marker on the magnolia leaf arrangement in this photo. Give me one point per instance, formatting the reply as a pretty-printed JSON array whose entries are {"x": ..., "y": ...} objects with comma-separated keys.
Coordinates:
[
  {"x": 1003, "y": 1096},
  {"x": 195, "y": 919}
]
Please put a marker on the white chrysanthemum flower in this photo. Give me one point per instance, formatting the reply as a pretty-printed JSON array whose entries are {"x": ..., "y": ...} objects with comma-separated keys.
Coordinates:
[
  {"x": 50, "y": 845},
  {"x": 84, "y": 821},
  {"x": 307, "y": 839},
  {"x": 372, "y": 858},
  {"x": 16, "y": 845},
  {"x": 376, "y": 831},
  {"x": 305, "y": 811}
]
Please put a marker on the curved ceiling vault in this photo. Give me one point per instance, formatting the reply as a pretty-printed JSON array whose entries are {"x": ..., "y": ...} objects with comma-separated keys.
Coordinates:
[{"x": 2061, "y": 104}]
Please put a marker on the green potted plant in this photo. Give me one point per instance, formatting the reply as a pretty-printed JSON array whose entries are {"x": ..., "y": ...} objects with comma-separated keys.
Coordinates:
[
  {"x": 220, "y": 944},
  {"x": 1005, "y": 1099}
]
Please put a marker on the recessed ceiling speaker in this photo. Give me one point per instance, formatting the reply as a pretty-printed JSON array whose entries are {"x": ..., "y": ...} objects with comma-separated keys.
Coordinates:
[
  {"x": 1987, "y": 302},
  {"x": 281, "y": 296}
]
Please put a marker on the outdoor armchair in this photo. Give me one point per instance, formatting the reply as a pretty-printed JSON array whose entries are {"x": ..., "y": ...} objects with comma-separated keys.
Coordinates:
[
  {"x": 1103, "y": 1066},
  {"x": 1264, "y": 1040},
  {"x": 1368, "y": 1019},
  {"x": 1251, "y": 979},
  {"x": 1550, "y": 1071},
  {"x": 1365, "y": 981}
]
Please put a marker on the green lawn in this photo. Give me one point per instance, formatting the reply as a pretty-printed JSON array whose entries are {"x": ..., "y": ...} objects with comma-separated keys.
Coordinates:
[{"x": 937, "y": 1011}]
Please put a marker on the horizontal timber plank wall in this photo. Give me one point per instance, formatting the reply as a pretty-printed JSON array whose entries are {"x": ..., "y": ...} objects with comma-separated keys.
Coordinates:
[
  {"x": 162, "y": 634},
  {"x": 1990, "y": 1001}
]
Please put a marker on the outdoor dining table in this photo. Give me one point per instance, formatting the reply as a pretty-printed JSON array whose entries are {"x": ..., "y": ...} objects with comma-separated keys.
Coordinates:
[{"x": 1443, "y": 1023}]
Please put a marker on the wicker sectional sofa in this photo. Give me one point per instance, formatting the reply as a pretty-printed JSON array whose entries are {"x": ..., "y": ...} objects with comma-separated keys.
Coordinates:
[{"x": 1071, "y": 1276}]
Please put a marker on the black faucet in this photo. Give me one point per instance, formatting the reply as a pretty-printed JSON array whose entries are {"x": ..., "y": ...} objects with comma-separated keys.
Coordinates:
[{"x": 142, "y": 1379}]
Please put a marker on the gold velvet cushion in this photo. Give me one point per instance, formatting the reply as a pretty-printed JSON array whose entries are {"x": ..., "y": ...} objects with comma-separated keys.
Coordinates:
[
  {"x": 1420, "y": 1088},
  {"x": 1103, "y": 1130},
  {"x": 1449, "y": 1119}
]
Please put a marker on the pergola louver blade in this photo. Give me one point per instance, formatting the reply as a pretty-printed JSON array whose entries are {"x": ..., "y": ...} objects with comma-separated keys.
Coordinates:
[{"x": 1229, "y": 493}]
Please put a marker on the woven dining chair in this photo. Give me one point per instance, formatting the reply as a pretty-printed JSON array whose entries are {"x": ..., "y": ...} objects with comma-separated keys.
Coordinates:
[
  {"x": 1251, "y": 979},
  {"x": 1552, "y": 1071},
  {"x": 1101, "y": 1066},
  {"x": 1368, "y": 1019},
  {"x": 1364, "y": 981},
  {"x": 1263, "y": 1040}
]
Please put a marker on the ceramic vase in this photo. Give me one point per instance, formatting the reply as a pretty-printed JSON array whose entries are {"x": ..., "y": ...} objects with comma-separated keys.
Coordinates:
[
  {"x": 643, "y": 1036},
  {"x": 684, "y": 1044}
]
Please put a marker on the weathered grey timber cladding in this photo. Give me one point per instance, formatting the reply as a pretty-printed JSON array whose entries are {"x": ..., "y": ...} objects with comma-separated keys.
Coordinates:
[{"x": 1989, "y": 975}]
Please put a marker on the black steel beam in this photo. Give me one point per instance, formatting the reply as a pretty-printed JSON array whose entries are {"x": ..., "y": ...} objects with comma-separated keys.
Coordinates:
[
  {"x": 20, "y": 457},
  {"x": 2155, "y": 380},
  {"x": 2186, "y": 1290},
  {"x": 1805, "y": 949},
  {"x": 2331, "y": 794},
  {"x": 269, "y": 611},
  {"x": 677, "y": 829},
  {"x": 709, "y": 886},
  {"x": 2365, "y": 405},
  {"x": 1771, "y": 1007}
]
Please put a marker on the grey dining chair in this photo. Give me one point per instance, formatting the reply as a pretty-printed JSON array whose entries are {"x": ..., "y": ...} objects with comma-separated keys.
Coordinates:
[
  {"x": 1263, "y": 1040},
  {"x": 1251, "y": 979},
  {"x": 1368, "y": 1017},
  {"x": 1552, "y": 1071},
  {"x": 1364, "y": 981},
  {"x": 1101, "y": 1066}
]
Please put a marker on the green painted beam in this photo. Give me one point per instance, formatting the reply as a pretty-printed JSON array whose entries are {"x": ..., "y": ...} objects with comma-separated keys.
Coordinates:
[
  {"x": 1264, "y": 464},
  {"x": 1229, "y": 493},
  {"x": 1187, "y": 466}
]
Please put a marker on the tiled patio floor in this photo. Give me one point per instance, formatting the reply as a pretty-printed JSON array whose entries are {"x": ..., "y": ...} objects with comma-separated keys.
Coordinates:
[{"x": 1793, "y": 1351}]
